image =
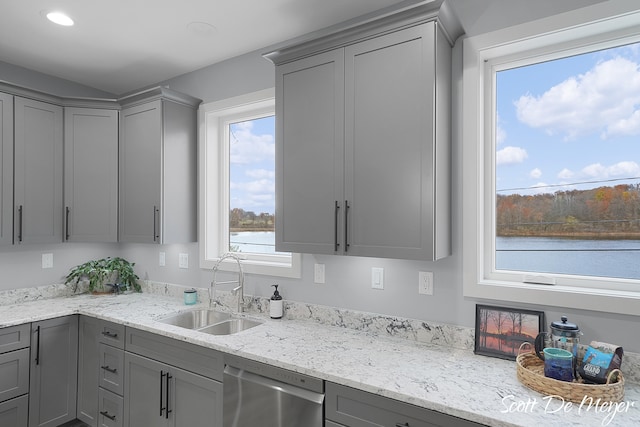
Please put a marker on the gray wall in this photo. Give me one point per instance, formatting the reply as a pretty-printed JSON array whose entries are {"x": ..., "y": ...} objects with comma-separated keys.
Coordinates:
[{"x": 347, "y": 278}]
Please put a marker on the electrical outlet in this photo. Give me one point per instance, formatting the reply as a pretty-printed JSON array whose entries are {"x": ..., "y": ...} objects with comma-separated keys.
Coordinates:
[
  {"x": 162, "y": 259},
  {"x": 47, "y": 260},
  {"x": 425, "y": 283},
  {"x": 318, "y": 273},
  {"x": 183, "y": 260},
  {"x": 377, "y": 278}
]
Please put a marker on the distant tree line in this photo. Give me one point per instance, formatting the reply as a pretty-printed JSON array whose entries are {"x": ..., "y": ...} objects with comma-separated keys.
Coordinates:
[
  {"x": 607, "y": 212},
  {"x": 241, "y": 220}
]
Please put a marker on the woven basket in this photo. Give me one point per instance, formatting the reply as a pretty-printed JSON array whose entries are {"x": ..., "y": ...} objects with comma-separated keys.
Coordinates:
[{"x": 530, "y": 371}]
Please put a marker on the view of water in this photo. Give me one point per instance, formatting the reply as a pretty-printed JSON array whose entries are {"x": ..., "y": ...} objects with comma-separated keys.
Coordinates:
[
  {"x": 607, "y": 258},
  {"x": 260, "y": 242}
]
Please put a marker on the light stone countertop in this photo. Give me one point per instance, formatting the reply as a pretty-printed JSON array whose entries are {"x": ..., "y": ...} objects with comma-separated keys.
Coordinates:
[{"x": 449, "y": 380}]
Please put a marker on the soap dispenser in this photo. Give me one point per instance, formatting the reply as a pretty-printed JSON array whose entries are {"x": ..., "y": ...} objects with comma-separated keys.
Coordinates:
[{"x": 275, "y": 305}]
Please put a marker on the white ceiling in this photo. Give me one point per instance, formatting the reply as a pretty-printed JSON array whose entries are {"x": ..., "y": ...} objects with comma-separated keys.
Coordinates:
[{"x": 122, "y": 45}]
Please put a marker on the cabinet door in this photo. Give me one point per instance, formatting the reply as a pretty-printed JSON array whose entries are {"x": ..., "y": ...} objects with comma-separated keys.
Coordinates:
[
  {"x": 389, "y": 144},
  {"x": 6, "y": 169},
  {"x": 309, "y": 154},
  {"x": 91, "y": 175},
  {"x": 145, "y": 402},
  {"x": 14, "y": 374},
  {"x": 38, "y": 172},
  {"x": 88, "y": 374},
  {"x": 196, "y": 401},
  {"x": 15, "y": 412},
  {"x": 54, "y": 362},
  {"x": 140, "y": 173}
]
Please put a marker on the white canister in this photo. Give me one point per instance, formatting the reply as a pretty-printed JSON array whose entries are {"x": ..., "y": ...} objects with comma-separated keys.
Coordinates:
[{"x": 276, "y": 304}]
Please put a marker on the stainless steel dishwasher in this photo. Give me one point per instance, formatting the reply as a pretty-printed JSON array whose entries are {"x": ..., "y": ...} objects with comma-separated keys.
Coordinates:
[{"x": 256, "y": 394}]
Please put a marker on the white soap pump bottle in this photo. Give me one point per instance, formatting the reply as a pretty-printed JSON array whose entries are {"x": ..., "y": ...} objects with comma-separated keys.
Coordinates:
[{"x": 276, "y": 304}]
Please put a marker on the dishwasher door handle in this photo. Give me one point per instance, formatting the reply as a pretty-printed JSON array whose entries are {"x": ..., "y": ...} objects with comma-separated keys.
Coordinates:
[{"x": 242, "y": 375}]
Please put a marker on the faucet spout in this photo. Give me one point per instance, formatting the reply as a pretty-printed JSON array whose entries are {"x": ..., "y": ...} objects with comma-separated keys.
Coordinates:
[{"x": 239, "y": 290}]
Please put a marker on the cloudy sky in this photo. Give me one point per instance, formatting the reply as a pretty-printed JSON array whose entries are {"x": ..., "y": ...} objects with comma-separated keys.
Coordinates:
[
  {"x": 252, "y": 165},
  {"x": 569, "y": 121}
]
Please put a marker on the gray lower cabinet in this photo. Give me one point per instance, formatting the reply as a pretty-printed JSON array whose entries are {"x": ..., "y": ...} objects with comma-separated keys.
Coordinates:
[
  {"x": 54, "y": 362},
  {"x": 171, "y": 383},
  {"x": 100, "y": 372},
  {"x": 349, "y": 407},
  {"x": 14, "y": 375}
]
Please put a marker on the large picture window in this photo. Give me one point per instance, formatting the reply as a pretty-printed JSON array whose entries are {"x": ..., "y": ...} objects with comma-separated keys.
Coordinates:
[{"x": 551, "y": 162}]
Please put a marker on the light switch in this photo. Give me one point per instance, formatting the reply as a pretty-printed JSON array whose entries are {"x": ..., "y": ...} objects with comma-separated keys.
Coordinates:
[
  {"x": 318, "y": 273},
  {"x": 47, "y": 260},
  {"x": 183, "y": 260},
  {"x": 162, "y": 259},
  {"x": 377, "y": 278}
]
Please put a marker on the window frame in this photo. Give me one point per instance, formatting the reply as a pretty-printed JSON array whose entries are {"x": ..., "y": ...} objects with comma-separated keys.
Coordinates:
[
  {"x": 213, "y": 179},
  {"x": 559, "y": 36}
]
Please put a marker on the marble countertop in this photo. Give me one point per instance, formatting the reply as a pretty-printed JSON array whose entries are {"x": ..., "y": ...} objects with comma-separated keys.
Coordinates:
[{"x": 449, "y": 380}]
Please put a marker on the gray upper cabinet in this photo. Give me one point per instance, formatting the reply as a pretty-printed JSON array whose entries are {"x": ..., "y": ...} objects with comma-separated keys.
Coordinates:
[
  {"x": 91, "y": 175},
  {"x": 6, "y": 169},
  {"x": 54, "y": 362},
  {"x": 158, "y": 168},
  {"x": 38, "y": 175},
  {"x": 309, "y": 154},
  {"x": 363, "y": 140}
]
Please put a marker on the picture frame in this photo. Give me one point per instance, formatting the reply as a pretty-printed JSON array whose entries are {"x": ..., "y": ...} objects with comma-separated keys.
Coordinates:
[{"x": 500, "y": 331}]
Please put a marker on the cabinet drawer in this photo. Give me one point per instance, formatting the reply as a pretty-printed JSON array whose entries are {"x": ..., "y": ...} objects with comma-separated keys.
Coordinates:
[
  {"x": 14, "y": 374},
  {"x": 110, "y": 409},
  {"x": 111, "y": 334},
  {"x": 15, "y": 337},
  {"x": 194, "y": 358},
  {"x": 356, "y": 408},
  {"x": 15, "y": 412},
  {"x": 111, "y": 369}
]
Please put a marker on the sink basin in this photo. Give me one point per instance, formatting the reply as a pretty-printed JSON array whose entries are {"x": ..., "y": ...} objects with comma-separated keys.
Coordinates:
[
  {"x": 231, "y": 326},
  {"x": 195, "y": 319},
  {"x": 212, "y": 322}
]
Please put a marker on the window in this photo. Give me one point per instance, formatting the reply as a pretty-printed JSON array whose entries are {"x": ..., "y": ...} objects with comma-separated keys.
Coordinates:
[
  {"x": 551, "y": 114},
  {"x": 237, "y": 200}
]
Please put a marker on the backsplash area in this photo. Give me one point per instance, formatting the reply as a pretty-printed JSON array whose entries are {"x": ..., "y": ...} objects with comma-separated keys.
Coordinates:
[{"x": 411, "y": 329}]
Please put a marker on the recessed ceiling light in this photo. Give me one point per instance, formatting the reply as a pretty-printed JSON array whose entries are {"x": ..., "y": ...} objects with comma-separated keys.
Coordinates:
[{"x": 60, "y": 18}]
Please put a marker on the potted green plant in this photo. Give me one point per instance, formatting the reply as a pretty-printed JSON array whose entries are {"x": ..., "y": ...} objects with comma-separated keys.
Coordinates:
[{"x": 103, "y": 274}]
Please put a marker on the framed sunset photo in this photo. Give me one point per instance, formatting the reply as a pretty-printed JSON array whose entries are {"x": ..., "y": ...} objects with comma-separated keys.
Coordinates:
[{"x": 500, "y": 331}]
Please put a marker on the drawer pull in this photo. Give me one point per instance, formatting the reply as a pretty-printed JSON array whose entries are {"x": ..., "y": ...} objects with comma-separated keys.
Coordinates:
[
  {"x": 106, "y": 414},
  {"x": 108, "y": 369},
  {"x": 402, "y": 425},
  {"x": 109, "y": 334}
]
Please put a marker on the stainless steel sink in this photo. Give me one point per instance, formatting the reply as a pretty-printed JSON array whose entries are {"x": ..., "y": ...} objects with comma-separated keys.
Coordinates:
[
  {"x": 212, "y": 322},
  {"x": 195, "y": 319},
  {"x": 231, "y": 326}
]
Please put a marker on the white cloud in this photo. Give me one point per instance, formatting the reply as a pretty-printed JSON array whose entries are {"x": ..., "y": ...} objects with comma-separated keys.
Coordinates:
[
  {"x": 509, "y": 155},
  {"x": 535, "y": 173},
  {"x": 619, "y": 170},
  {"x": 260, "y": 173},
  {"x": 603, "y": 100},
  {"x": 565, "y": 174},
  {"x": 247, "y": 147}
]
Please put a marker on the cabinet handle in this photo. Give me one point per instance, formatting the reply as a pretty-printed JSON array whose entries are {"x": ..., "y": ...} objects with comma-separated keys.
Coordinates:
[
  {"x": 168, "y": 411},
  {"x": 66, "y": 223},
  {"x": 106, "y": 414},
  {"x": 162, "y": 408},
  {"x": 109, "y": 334},
  {"x": 336, "y": 245},
  {"x": 20, "y": 224},
  {"x": 156, "y": 235},
  {"x": 108, "y": 369},
  {"x": 402, "y": 425},
  {"x": 38, "y": 346},
  {"x": 346, "y": 225}
]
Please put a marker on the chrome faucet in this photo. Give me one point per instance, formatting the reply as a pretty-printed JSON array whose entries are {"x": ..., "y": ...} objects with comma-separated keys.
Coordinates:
[{"x": 239, "y": 290}]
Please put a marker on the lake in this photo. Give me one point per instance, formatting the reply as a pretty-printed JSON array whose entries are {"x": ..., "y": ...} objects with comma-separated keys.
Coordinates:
[
  {"x": 260, "y": 242},
  {"x": 607, "y": 258}
]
